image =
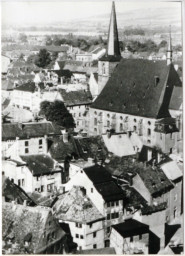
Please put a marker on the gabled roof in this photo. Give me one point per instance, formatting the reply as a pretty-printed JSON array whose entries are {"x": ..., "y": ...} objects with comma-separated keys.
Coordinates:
[
  {"x": 7, "y": 85},
  {"x": 40, "y": 164},
  {"x": 27, "y": 130},
  {"x": 76, "y": 207},
  {"x": 13, "y": 192},
  {"x": 130, "y": 228},
  {"x": 132, "y": 88},
  {"x": 73, "y": 98},
  {"x": 19, "y": 222}
]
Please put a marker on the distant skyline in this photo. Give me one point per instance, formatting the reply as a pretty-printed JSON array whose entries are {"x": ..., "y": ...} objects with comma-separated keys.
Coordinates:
[{"x": 45, "y": 12}]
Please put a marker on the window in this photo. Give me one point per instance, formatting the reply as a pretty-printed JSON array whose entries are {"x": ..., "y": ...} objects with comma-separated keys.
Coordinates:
[
  {"x": 148, "y": 141},
  {"x": 23, "y": 182},
  {"x": 95, "y": 121},
  {"x": 161, "y": 136},
  {"x": 117, "y": 203},
  {"x": 26, "y": 143},
  {"x": 94, "y": 246},
  {"x": 108, "y": 123},
  {"x": 91, "y": 190},
  {"x": 79, "y": 114},
  {"x": 121, "y": 127},
  {"x": 26, "y": 150},
  {"x": 171, "y": 136},
  {"x": 74, "y": 114},
  {"x": 113, "y": 215},
  {"x": 140, "y": 236},
  {"x": 19, "y": 183},
  {"x": 38, "y": 178},
  {"x": 131, "y": 239},
  {"x": 108, "y": 216},
  {"x": 81, "y": 237},
  {"x": 175, "y": 197},
  {"x": 95, "y": 130},
  {"x": 135, "y": 128},
  {"x": 108, "y": 204},
  {"x": 149, "y": 123},
  {"x": 76, "y": 224},
  {"x": 77, "y": 236},
  {"x": 108, "y": 230},
  {"x": 40, "y": 142},
  {"x": 42, "y": 188},
  {"x": 95, "y": 113},
  {"x": 171, "y": 150},
  {"x": 108, "y": 115},
  {"x": 90, "y": 225},
  {"x": 112, "y": 203},
  {"x": 94, "y": 234},
  {"x": 80, "y": 248},
  {"x": 135, "y": 120},
  {"x": 149, "y": 132}
]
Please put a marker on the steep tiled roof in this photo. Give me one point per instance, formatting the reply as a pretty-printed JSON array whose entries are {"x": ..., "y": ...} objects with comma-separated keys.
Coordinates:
[
  {"x": 63, "y": 73},
  {"x": 177, "y": 98},
  {"x": 27, "y": 130},
  {"x": 76, "y": 207},
  {"x": 132, "y": 88},
  {"x": 19, "y": 222},
  {"x": 73, "y": 98},
  {"x": 39, "y": 164},
  {"x": 13, "y": 192},
  {"x": 131, "y": 227}
]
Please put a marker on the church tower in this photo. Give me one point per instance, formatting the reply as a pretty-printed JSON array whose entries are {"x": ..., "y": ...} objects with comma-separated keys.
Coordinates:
[
  {"x": 169, "y": 51},
  {"x": 112, "y": 57}
]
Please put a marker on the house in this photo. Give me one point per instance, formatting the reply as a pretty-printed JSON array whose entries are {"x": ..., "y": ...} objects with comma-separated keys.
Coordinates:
[
  {"x": 104, "y": 193},
  {"x": 12, "y": 192},
  {"x": 26, "y": 138},
  {"x": 174, "y": 174},
  {"x": 28, "y": 96},
  {"x": 30, "y": 230},
  {"x": 5, "y": 63},
  {"x": 77, "y": 103},
  {"x": 34, "y": 172},
  {"x": 130, "y": 237},
  {"x": 60, "y": 76},
  {"x": 85, "y": 221},
  {"x": 7, "y": 86}
]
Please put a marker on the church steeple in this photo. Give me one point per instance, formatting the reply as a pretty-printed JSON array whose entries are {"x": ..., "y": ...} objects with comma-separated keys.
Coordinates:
[
  {"x": 169, "y": 51},
  {"x": 113, "y": 41}
]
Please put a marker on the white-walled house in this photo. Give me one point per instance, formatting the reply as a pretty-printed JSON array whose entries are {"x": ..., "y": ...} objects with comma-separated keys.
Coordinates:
[
  {"x": 34, "y": 173},
  {"x": 85, "y": 221},
  {"x": 130, "y": 237}
]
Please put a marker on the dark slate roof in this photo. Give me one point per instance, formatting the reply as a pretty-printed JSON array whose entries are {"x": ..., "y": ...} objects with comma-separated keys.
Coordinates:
[
  {"x": 63, "y": 73},
  {"x": 131, "y": 88},
  {"x": 73, "y": 98},
  {"x": 110, "y": 191},
  {"x": 177, "y": 98},
  {"x": 98, "y": 174},
  {"x": 28, "y": 87},
  {"x": 13, "y": 192},
  {"x": 27, "y": 130},
  {"x": 91, "y": 147},
  {"x": 61, "y": 64},
  {"x": 39, "y": 164},
  {"x": 130, "y": 228},
  {"x": 108, "y": 250}
]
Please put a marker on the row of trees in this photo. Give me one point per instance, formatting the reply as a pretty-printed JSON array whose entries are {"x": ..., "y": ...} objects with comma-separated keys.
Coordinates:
[{"x": 147, "y": 46}]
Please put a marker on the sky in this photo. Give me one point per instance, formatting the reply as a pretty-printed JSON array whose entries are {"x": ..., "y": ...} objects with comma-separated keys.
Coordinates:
[{"x": 45, "y": 12}]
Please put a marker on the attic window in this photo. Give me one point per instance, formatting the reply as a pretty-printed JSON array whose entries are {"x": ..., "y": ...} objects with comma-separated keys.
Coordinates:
[
  {"x": 110, "y": 104},
  {"x": 138, "y": 106},
  {"x": 156, "y": 80},
  {"x": 130, "y": 93},
  {"x": 134, "y": 85},
  {"x": 124, "y": 105},
  {"x": 144, "y": 94}
]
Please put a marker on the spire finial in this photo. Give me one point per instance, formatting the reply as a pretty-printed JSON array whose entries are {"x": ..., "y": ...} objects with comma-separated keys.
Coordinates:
[
  {"x": 113, "y": 41},
  {"x": 169, "y": 51}
]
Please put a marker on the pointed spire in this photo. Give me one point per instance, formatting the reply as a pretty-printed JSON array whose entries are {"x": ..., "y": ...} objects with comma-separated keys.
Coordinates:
[
  {"x": 113, "y": 41},
  {"x": 169, "y": 51}
]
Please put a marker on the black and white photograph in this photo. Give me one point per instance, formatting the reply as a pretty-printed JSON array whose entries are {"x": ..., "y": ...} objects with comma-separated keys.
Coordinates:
[{"x": 92, "y": 127}]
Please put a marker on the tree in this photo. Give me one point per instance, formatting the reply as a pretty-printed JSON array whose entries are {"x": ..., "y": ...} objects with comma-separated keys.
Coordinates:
[
  {"x": 162, "y": 44},
  {"x": 43, "y": 58},
  {"x": 57, "y": 113},
  {"x": 48, "y": 40}
]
